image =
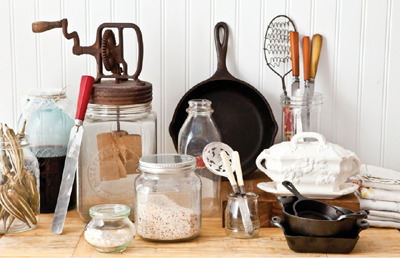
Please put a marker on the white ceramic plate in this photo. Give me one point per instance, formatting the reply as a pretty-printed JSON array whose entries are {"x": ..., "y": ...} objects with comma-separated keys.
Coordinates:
[{"x": 345, "y": 188}]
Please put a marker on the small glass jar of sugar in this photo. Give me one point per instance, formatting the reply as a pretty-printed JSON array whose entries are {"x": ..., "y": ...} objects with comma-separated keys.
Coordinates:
[{"x": 110, "y": 230}]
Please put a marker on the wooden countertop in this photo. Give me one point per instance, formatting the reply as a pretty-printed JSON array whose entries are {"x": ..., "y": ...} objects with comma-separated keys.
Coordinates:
[{"x": 212, "y": 242}]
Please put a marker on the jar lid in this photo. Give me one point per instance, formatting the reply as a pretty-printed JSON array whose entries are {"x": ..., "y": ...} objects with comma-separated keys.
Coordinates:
[
  {"x": 109, "y": 211},
  {"x": 47, "y": 92},
  {"x": 128, "y": 92},
  {"x": 167, "y": 163}
]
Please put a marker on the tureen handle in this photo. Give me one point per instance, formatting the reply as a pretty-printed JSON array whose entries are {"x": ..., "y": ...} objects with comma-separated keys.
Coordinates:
[
  {"x": 299, "y": 136},
  {"x": 358, "y": 164},
  {"x": 260, "y": 158}
]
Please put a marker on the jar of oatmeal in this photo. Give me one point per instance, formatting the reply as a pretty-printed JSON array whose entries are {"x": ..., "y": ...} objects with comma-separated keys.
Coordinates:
[{"x": 168, "y": 198}]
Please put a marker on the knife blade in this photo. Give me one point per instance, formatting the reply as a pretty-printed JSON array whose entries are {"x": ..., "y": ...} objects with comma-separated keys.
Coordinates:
[
  {"x": 294, "y": 49},
  {"x": 316, "y": 45},
  {"x": 71, "y": 160}
]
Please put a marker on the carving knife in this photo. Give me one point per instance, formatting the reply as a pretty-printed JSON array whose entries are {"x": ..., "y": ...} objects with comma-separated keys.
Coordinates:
[
  {"x": 71, "y": 160},
  {"x": 316, "y": 45},
  {"x": 294, "y": 49},
  {"x": 306, "y": 65}
]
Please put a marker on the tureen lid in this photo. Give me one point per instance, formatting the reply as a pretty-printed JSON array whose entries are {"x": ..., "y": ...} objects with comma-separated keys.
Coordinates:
[{"x": 298, "y": 148}]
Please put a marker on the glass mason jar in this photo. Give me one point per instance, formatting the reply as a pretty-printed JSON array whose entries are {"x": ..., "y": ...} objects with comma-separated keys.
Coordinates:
[
  {"x": 19, "y": 184},
  {"x": 197, "y": 131},
  {"x": 300, "y": 114},
  {"x": 168, "y": 198},
  {"x": 114, "y": 139},
  {"x": 49, "y": 115},
  {"x": 110, "y": 230},
  {"x": 233, "y": 218}
]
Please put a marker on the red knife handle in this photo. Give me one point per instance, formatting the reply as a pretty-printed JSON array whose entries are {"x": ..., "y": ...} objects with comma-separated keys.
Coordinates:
[
  {"x": 306, "y": 57},
  {"x": 84, "y": 96},
  {"x": 294, "y": 48}
]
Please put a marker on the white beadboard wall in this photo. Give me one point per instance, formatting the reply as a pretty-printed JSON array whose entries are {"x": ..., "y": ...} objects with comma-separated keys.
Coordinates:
[{"x": 357, "y": 71}]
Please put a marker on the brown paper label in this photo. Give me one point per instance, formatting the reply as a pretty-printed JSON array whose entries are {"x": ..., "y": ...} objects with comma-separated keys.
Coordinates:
[{"x": 119, "y": 154}]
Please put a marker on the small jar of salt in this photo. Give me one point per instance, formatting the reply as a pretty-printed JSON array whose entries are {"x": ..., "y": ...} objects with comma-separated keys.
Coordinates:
[
  {"x": 168, "y": 198},
  {"x": 110, "y": 230}
]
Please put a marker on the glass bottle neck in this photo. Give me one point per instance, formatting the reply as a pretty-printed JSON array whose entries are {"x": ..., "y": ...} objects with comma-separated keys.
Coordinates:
[{"x": 200, "y": 107}]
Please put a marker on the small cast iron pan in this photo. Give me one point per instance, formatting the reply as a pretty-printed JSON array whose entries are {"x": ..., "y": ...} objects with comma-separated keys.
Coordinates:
[
  {"x": 320, "y": 228},
  {"x": 311, "y": 209},
  {"x": 307, "y": 244},
  {"x": 241, "y": 112}
]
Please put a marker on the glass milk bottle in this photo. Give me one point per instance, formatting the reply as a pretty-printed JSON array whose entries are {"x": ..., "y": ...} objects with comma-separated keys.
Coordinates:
[{"x": 198, "y": 130}]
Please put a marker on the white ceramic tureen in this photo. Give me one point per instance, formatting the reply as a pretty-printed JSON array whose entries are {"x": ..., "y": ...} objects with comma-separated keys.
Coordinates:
[{"x": 315, "y": 166}]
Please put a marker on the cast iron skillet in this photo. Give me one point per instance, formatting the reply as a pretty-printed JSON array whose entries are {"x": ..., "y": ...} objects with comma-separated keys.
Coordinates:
[
  {"x": 297, "y": 226},
  {"x": 311, "y": 209},
  {"x": 310, "y": 244},
  {"x": 241, "y": 112}
]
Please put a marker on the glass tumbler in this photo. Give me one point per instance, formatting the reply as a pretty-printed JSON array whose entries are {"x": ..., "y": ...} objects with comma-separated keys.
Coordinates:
[
  {"x": 300, "y": 114},
  {"x": 110, "y": 230},
  {"x": 233, "y": 218}
]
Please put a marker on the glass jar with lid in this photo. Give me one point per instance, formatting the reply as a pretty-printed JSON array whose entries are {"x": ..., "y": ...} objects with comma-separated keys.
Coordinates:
[
  {"x": 168, "y": 198},
  {"x": 110, "y": 230},
  {"x": 119, "y": 128},
  {"x": 50, "y": 117},
  {"x": 198, "y": 130},
  {"x": 19, "y": 183}
]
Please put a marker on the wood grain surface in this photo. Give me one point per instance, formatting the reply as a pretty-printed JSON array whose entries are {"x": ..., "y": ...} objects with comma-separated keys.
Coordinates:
[{"x": 212, "y": 242}]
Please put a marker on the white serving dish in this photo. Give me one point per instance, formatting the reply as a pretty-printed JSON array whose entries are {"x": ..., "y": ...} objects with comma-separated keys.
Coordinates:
[
  {"x": 345, "y": 188},
  {"x": 313, "y": 167}
]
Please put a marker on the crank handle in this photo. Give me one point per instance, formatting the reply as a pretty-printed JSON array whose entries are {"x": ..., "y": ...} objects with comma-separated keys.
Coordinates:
[{"x": 42, "y": 26}]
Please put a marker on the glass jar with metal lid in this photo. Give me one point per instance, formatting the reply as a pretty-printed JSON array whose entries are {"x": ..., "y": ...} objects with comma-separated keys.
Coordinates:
[{"x": 168, "y": 198}]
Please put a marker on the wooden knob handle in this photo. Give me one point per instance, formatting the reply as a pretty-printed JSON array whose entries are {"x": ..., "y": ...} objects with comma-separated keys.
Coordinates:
[
  {"x": 43, "y": 26},
  {"x": 316, "y": 45},
  {"x": 294, "y": 49},
  {"x": 306, "y": 57}
]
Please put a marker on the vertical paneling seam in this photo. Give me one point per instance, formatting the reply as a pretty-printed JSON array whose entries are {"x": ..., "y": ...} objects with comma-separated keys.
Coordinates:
[
  {"x": 63, "y": 50},
  {"x": 360, "y": 74},
  {"x": 385, "y": 82},
  {"x": 13, "y": 65},
  {"x": 335, "y": 73},
  {"x": 212, "y": 21},
  {"x": 38, "y": 52},
  {"x": 87, "y": 28},
  {"x": 261, "y": 46},
  {"x": 162, "y": 63},
  {"x": 237, "y": 41},
  {"x": 187, "y": 45}
]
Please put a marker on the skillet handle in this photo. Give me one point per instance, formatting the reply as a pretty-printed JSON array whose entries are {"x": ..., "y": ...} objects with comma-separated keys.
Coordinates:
[
  {"x": 293, "y": 190},
  {"x": 276, "y": 221},
  {"x": 362, "y": 224},
  {"x": 222, "y": 48}
]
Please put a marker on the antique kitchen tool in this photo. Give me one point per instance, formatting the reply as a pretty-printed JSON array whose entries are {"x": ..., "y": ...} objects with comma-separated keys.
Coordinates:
[
  {"x": 114, "y": 95},
  {"x": 312, "y": 209},
  {"x": 239, "y": 191},
  {"x": 233, "y": 100},
  {"x": 71, "y": 161},
  {"x": 316, "y": 45},
  {"x": 277, "y": 46}
]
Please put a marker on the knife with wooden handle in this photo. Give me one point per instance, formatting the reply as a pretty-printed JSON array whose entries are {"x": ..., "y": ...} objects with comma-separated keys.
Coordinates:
[
  {"x": 71, "y": 161},
  {"x": 294, "y": 49},
  {"x": 316, "y": 45},
  {"x": 306, "y": 65}
]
